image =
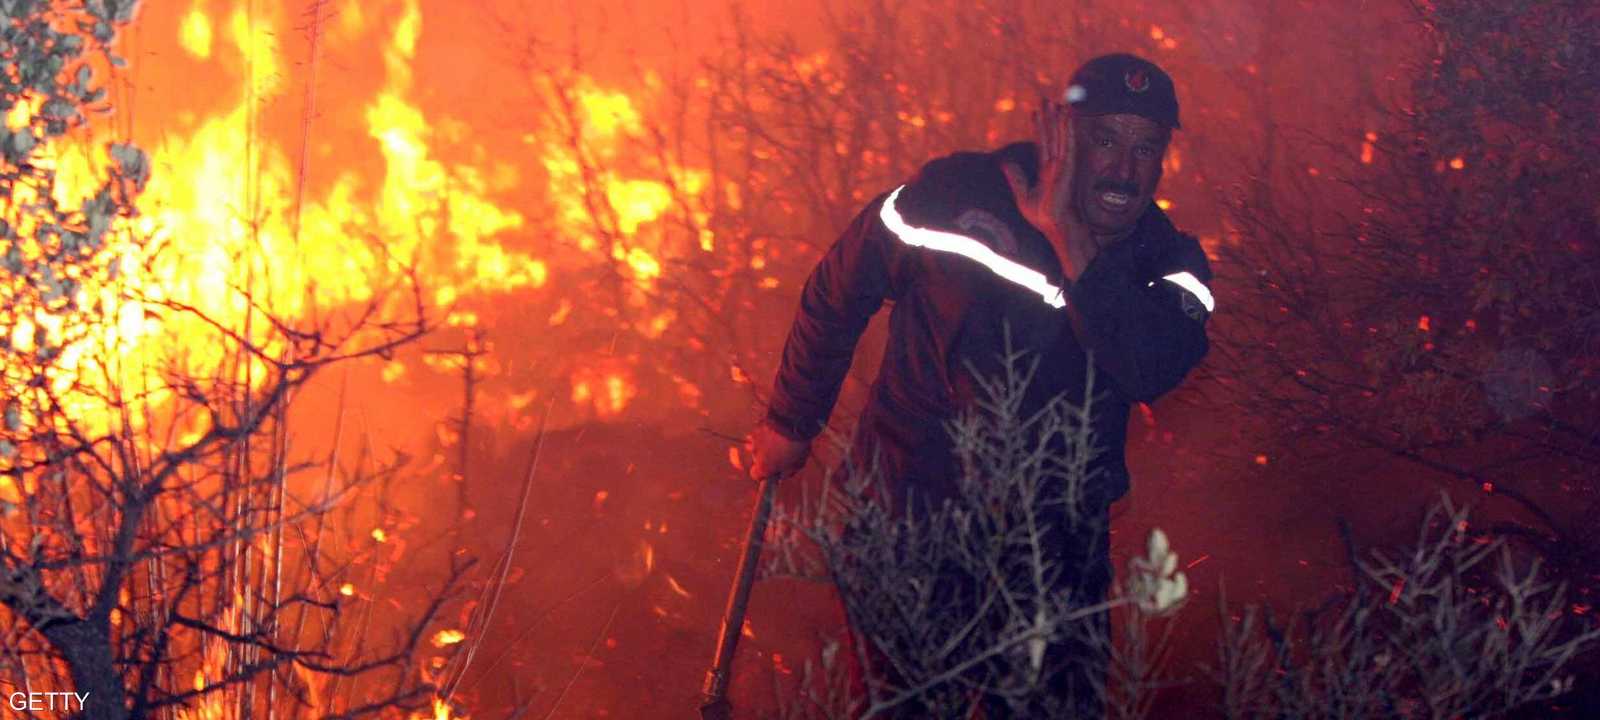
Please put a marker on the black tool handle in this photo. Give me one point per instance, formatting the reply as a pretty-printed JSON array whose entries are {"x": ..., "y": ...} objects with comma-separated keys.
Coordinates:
[{"x": 716, "y": 686}]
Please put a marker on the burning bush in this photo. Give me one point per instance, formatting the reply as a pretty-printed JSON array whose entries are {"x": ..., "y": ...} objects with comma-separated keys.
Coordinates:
[{"x": 162, "y": 551}]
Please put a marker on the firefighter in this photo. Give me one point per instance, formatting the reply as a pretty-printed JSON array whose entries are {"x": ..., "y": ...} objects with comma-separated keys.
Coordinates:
[{"x": 1056, "y": 246}]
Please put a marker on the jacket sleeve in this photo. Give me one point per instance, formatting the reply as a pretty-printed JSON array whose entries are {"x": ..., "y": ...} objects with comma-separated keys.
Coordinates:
[
  {"x": 848, "y": 286},
  {"x": 1146, "y": 331}
]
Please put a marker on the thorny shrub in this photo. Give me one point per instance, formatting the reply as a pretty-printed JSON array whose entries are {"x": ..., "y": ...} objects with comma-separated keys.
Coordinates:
[
  {"x": 1455, "y": 626},
  {"x": 962, "y": 602},
  {"x": 974, "y": 603}
]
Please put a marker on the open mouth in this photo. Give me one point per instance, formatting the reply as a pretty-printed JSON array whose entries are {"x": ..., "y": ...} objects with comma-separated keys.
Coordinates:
[{"x": 1115, "y": 202}]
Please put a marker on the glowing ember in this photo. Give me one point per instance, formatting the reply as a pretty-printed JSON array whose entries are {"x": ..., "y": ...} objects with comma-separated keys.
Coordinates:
[
  {"x": 445, "y": 638},
  {"x": 607, "y": 392},
  {"x": 637, "y": 566}
]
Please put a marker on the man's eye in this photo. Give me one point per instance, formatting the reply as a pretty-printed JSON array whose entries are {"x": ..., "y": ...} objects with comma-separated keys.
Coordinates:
[
  {"x": 1104, "y": 142},
  {"x": 1145, "y": 152}
]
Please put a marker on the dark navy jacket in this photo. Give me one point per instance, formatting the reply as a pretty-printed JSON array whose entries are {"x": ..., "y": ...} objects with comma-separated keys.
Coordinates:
[{"x": 952, "y": 302}]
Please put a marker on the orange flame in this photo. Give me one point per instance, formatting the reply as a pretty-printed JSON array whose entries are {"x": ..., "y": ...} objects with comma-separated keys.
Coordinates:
[
  {"x": 223, "y": 199},
  {"x": 441, "y": 711},
  {"x": 236, "y": 220}
]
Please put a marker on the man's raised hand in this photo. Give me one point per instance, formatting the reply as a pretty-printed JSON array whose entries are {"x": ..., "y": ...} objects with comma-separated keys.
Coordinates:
[{"x": 1047, "y": 204}]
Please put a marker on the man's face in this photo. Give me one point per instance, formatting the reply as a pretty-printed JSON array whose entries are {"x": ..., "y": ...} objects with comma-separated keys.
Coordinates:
[{"x": 1117, "y": 169}]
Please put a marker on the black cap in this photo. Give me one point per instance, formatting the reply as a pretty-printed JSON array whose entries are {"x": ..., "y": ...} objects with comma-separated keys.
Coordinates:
[{"x": 1123, "y": 84}]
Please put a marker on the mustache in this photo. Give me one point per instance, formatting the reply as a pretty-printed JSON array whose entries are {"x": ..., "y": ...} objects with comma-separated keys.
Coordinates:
[{"x": 1105, "y": 186}]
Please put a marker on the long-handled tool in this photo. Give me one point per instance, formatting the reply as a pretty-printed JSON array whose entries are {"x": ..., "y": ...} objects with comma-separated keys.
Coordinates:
[{"x": 716, "y": 705}]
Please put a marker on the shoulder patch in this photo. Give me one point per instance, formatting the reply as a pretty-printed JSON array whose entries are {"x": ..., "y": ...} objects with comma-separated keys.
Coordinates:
[
  {"x": 983, "y": 224},
  {"x": 1192, "y": 306},
  {"x": 1194, "y": 297}
]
